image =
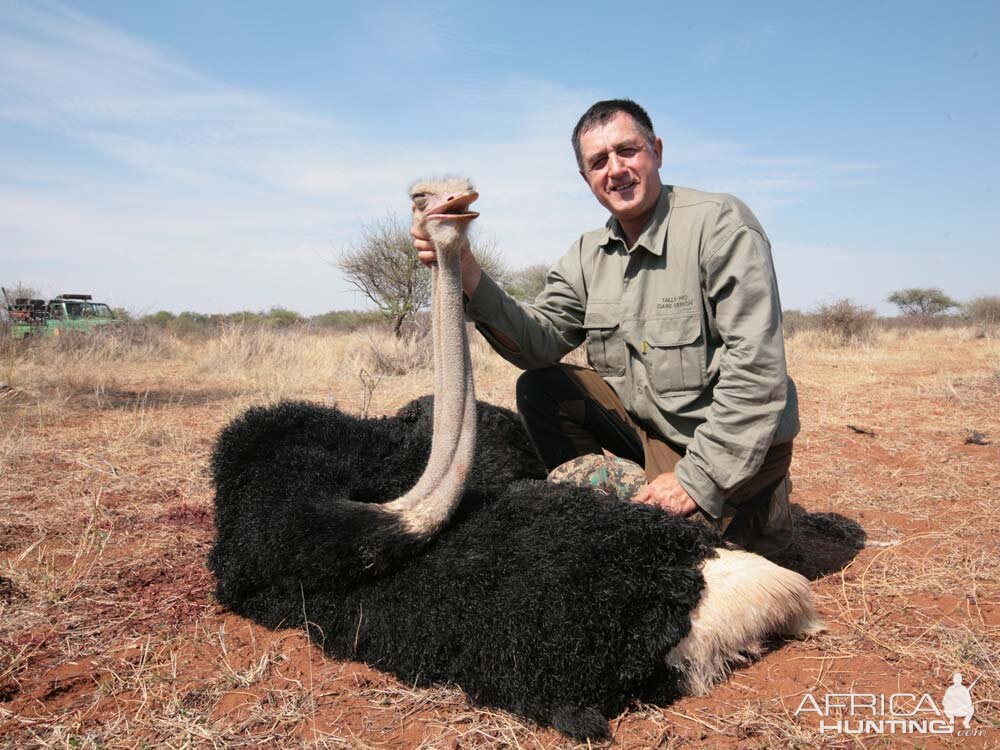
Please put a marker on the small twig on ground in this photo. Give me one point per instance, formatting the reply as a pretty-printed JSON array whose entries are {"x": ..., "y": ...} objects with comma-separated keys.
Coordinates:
[{"x": 861, "y": 430}]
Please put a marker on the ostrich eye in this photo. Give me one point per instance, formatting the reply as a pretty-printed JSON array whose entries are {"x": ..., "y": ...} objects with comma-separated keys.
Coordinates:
[{"x": 420, "y": 200}]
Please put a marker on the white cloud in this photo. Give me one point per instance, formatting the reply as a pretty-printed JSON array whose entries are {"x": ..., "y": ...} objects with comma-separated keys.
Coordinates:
[{"x": 185, "y": 192}]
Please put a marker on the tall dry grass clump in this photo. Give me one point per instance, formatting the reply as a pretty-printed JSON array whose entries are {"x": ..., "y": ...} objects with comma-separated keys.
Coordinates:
[
  {"x": 845, "y": 323},
  {"x": 333, "y": 366},
  {"x": 984, "y": 314},
  {"x": 795, "y": 322},
  {"x": 83, "y": 361}
]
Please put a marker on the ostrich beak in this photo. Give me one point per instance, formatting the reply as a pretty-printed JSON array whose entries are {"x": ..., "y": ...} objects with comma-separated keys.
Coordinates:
[{"x": 454, "y": 208}]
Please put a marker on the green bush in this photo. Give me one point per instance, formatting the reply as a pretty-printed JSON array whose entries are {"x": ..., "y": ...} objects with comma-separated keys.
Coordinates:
[
  {"x": 346, "y": 320},
  {"x": 280, "y": 317},
  {"x": 161, "y": 318},
  {"x": 922, "y": 302},
  {"x": 527, "y": 283}
]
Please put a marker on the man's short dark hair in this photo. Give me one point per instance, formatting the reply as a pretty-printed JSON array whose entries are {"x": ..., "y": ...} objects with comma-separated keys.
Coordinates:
[{"x": 604, "y": 112}]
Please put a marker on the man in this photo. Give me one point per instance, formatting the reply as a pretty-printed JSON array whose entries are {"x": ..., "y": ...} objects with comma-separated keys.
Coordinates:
[{"x": 677, "y": 301}]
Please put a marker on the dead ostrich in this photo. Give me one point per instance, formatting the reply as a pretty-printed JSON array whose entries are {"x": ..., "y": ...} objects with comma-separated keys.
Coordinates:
[{"x": 548, "y": 600}]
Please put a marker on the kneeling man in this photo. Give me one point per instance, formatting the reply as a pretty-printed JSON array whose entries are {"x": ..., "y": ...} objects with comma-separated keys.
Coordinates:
[{"x": 677, "y": 302}]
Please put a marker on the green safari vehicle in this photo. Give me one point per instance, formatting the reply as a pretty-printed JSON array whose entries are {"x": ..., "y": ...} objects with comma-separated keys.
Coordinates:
[{"x": 62, "y": 314}]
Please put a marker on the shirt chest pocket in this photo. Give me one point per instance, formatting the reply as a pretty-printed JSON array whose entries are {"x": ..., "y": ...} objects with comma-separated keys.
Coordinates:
[
  {"x": 674, "y": 352},
  {"x": 605, "y": 342}
]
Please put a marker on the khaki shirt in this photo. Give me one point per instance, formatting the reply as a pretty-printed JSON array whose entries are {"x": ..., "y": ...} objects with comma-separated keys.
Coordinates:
[{"x": 685, "y": 326}]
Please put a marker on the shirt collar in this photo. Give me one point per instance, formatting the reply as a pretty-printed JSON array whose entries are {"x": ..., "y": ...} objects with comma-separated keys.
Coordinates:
[{"x": 654, "y": 236}]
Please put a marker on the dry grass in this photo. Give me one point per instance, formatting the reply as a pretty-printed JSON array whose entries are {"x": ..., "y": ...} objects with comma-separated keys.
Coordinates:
[{"x": 109, "y": 635}]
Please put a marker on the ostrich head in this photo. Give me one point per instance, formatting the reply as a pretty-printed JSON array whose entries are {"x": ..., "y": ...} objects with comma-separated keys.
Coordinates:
[{"x": 441, "y": 207}]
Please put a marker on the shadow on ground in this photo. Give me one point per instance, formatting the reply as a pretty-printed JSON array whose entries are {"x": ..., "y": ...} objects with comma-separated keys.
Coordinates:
[{"x": 822, "y": 543}]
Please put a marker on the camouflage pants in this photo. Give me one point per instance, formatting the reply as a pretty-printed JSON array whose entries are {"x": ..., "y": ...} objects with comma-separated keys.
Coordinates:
[{"x": 573, "y": 418}]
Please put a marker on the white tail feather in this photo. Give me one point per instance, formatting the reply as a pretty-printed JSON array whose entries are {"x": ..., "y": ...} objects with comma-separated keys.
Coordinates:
[{"x": 747, "y": 598}]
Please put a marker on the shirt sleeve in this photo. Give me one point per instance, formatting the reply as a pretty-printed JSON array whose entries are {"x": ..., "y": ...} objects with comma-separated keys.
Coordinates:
[
  {"x": 544, "y": 331},
  {"x": 750, "y": 395}
]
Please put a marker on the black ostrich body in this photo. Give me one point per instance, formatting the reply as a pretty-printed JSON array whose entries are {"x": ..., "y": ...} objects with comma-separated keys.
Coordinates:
[{"x": 550, "y": 601}]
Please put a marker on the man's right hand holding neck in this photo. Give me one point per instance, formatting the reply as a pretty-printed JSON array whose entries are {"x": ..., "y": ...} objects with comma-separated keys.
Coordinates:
[{"x": 472, "y": 272}]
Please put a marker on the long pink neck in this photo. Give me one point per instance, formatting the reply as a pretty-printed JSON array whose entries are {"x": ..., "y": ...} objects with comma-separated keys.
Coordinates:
[{"x": 426, "y": 508}]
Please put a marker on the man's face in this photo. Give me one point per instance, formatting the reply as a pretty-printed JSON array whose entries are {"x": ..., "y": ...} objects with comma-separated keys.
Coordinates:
[{"x": 621, "y": 167}]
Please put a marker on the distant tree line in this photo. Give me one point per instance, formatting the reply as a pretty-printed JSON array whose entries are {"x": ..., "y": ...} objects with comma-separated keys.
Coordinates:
[
  {"x": 276, "y": 318},
  {"x": 385, "y": 268},
  {"x": 849, "y": 322}
]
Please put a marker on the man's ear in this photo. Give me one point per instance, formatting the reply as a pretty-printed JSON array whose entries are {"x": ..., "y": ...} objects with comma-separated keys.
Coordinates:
[
  {"x": 658, "y": 150},
  {"x": 584, "y": 176}
]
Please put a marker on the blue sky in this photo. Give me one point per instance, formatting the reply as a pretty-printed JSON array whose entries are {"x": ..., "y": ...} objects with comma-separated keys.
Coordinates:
[{"x": 218, "y": 156}]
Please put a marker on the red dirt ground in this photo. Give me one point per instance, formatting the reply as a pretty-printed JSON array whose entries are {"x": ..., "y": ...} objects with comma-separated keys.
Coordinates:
[{"x": 110, "y": 636}]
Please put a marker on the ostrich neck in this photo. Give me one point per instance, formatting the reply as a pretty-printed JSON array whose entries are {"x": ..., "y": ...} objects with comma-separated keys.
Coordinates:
[{"x": 429, "y": 504}]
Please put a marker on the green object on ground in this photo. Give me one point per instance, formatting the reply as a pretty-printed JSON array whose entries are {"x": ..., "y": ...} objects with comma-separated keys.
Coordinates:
[{"x": 60, "y": 315}]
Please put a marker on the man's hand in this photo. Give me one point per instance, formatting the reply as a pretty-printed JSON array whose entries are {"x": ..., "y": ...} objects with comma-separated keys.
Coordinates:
[
  {"x": 666, "y": 492},
  {"x": 472, "y": 272},
  {"x": 423, "y": 245}
]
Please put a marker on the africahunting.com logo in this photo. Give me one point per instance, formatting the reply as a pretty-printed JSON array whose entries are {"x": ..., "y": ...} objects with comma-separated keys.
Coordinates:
[{"x": 898, "y": 713}]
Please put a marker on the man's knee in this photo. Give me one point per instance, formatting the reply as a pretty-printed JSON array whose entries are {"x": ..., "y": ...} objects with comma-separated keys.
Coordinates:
[
  {"x": 764, "y": 523},
  {"x": 535, "y": 386}
]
